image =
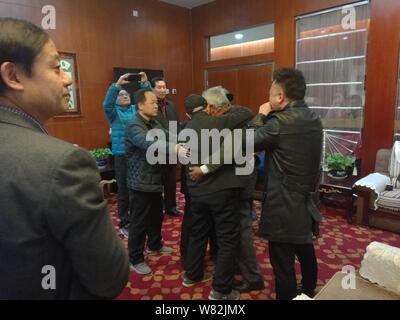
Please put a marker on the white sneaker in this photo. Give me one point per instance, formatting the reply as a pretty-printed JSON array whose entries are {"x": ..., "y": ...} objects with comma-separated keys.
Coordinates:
[
  {"x": 125, "y": 232},
  {"x": 140, "y": 268}
]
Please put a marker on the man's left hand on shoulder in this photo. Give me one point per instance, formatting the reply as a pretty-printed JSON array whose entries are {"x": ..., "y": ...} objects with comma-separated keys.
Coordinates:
[{"x": 196, "y": 174}]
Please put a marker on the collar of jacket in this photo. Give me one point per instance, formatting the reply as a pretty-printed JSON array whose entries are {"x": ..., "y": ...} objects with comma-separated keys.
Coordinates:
[
  {"x": 162, "y": 102},
  {"x": 296, "y": 103},
  {"x": 220, "y": 112},
  {"x": 20, "y": 118},
  {"x": 198, "y": 113},
  {"x": 146, "y": 122},
  {"x": 127, "y": 108}
]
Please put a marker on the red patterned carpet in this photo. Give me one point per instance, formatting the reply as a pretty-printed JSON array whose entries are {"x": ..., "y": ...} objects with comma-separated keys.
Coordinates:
[{"x": 340, "y": 244}]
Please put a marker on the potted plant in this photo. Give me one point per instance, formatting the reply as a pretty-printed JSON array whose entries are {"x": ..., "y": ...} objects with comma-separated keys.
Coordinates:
[
  {"x": 101, "y": 156},
  {"x": 339, "y": 166}
]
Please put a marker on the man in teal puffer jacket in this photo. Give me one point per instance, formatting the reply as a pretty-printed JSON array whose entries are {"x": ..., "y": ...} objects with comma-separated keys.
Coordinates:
[{"x": 119, "y": 112}]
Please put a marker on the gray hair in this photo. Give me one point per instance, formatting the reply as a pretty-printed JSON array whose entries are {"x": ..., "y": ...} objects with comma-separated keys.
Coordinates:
[{"x": 216, "y": 96}]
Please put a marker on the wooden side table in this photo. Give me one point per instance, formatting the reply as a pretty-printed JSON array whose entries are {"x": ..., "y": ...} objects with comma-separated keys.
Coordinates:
[{"x": 338, "y": 194}]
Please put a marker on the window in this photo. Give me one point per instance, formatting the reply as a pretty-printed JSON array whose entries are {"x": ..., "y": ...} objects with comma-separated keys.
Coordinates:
[
  {"x": 243, "y": 43},
  {"x": 331, "y": 51}
]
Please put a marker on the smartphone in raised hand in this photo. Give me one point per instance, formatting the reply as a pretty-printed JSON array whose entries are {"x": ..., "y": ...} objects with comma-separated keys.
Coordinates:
[{"x": 134, "y": 77}]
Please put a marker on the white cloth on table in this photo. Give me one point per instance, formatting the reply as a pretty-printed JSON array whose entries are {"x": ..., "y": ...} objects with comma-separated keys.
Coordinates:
[
  {"x": 394, "y": 164},
  {"x": 376, "y": 182}
]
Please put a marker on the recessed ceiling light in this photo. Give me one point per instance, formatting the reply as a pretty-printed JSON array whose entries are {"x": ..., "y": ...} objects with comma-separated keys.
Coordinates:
[{"x": 239, "y": 36}]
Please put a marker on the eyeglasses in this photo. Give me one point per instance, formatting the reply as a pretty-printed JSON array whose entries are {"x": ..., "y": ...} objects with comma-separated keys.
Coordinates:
[{"x": 124, "y": 95}]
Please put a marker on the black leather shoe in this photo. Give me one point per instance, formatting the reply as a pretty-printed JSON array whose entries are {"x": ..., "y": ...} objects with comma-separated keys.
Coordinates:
[
  {"x": 173, "y": 213},
  {"x": 299, "y": 289},
  {"x": 244, "y": 286}
]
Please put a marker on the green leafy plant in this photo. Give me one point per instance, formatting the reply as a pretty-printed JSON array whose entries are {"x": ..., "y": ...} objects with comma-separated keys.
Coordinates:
[
  {"x": 337, "y": 161},
  {"x": 100, "y": 154}
]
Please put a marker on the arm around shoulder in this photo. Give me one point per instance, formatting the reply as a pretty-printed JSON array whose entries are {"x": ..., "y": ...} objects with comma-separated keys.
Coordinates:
[
  {"x": 237, "y": 117},
  {"x": 267, "y": 135}
]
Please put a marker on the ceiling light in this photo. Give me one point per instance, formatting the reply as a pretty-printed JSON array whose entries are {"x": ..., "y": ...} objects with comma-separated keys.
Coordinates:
[{"x": 239, "y": 36}]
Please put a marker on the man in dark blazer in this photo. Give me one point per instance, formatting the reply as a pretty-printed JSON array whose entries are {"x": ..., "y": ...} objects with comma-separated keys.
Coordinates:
[
  {"x": 246, "y": 259},
  {"x": 214, "y": 199},
  {"x": 166, "y": 113},
  {"x": 57, "y": 240}
]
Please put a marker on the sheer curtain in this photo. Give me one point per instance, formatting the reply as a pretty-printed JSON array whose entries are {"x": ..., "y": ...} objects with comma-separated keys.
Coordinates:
[{"x": 333, "y": 59}]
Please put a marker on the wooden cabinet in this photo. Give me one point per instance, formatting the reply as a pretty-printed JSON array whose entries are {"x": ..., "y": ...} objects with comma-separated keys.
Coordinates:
[{"x": 338, "y": 193}]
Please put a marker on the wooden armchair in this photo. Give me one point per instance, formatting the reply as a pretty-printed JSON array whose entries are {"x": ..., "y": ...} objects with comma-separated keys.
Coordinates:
[{"x": 382, "y": 218}]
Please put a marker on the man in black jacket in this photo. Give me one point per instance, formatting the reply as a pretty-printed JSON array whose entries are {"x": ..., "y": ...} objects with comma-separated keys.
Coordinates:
[
  {"x": 196, "y": 101},
  {"x": 252, "y": 278},
  {"x": 214, "y": 199},
  {"x": 291, "y": 135},
  {"x": 166, "y": 114},
  {"x": 144, "y": 183}
]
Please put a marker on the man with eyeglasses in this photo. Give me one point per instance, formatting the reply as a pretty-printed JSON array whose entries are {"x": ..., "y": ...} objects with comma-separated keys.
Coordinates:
[{"x": 119, "y": 112}]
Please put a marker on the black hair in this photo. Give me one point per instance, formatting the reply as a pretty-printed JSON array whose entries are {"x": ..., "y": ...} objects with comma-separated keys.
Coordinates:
[
  {"x": 20, "y": 43},
  {"x": 292, "y": 83},
  {"x": 140, "y": 96},
  {"x": 230, "y": 96},
  {"x": 156, "y": 79}
]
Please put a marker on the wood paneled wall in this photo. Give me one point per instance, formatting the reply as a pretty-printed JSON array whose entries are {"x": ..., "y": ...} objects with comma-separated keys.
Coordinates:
[
  {"x": 219, "y": 17},
  {"x": 381, "y": 84},
  {"x": 104, "y": 34},
  {"x": 225, "y": 16}
]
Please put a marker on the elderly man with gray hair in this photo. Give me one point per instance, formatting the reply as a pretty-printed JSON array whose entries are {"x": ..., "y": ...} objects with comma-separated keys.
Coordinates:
[
  {"x": 218, "y": 100},
  {"x": 214, "y": 197}
]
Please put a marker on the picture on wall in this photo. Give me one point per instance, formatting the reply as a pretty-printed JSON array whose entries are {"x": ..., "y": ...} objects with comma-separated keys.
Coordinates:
[{"x": 69, "y": 66}]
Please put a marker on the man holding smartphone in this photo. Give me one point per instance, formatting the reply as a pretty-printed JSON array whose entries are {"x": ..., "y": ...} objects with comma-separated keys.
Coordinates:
[{"x": 119, "y": 112}]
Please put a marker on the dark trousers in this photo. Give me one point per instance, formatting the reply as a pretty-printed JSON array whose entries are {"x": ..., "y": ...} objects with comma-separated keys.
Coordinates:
[
  {"x": 282, "y": 257},
  {"x": 186, "y": 228},
  {"x": 246, "y": 256},
  {"x": 120, "y": 167},
  {"x": 146, "y": 220},
  {"x": 221, "y": 208},
  {"x": 170, "y": 187}
]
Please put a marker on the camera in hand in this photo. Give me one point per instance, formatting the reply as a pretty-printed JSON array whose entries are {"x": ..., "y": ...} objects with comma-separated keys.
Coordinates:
[{"x": 134, "y": 77}]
